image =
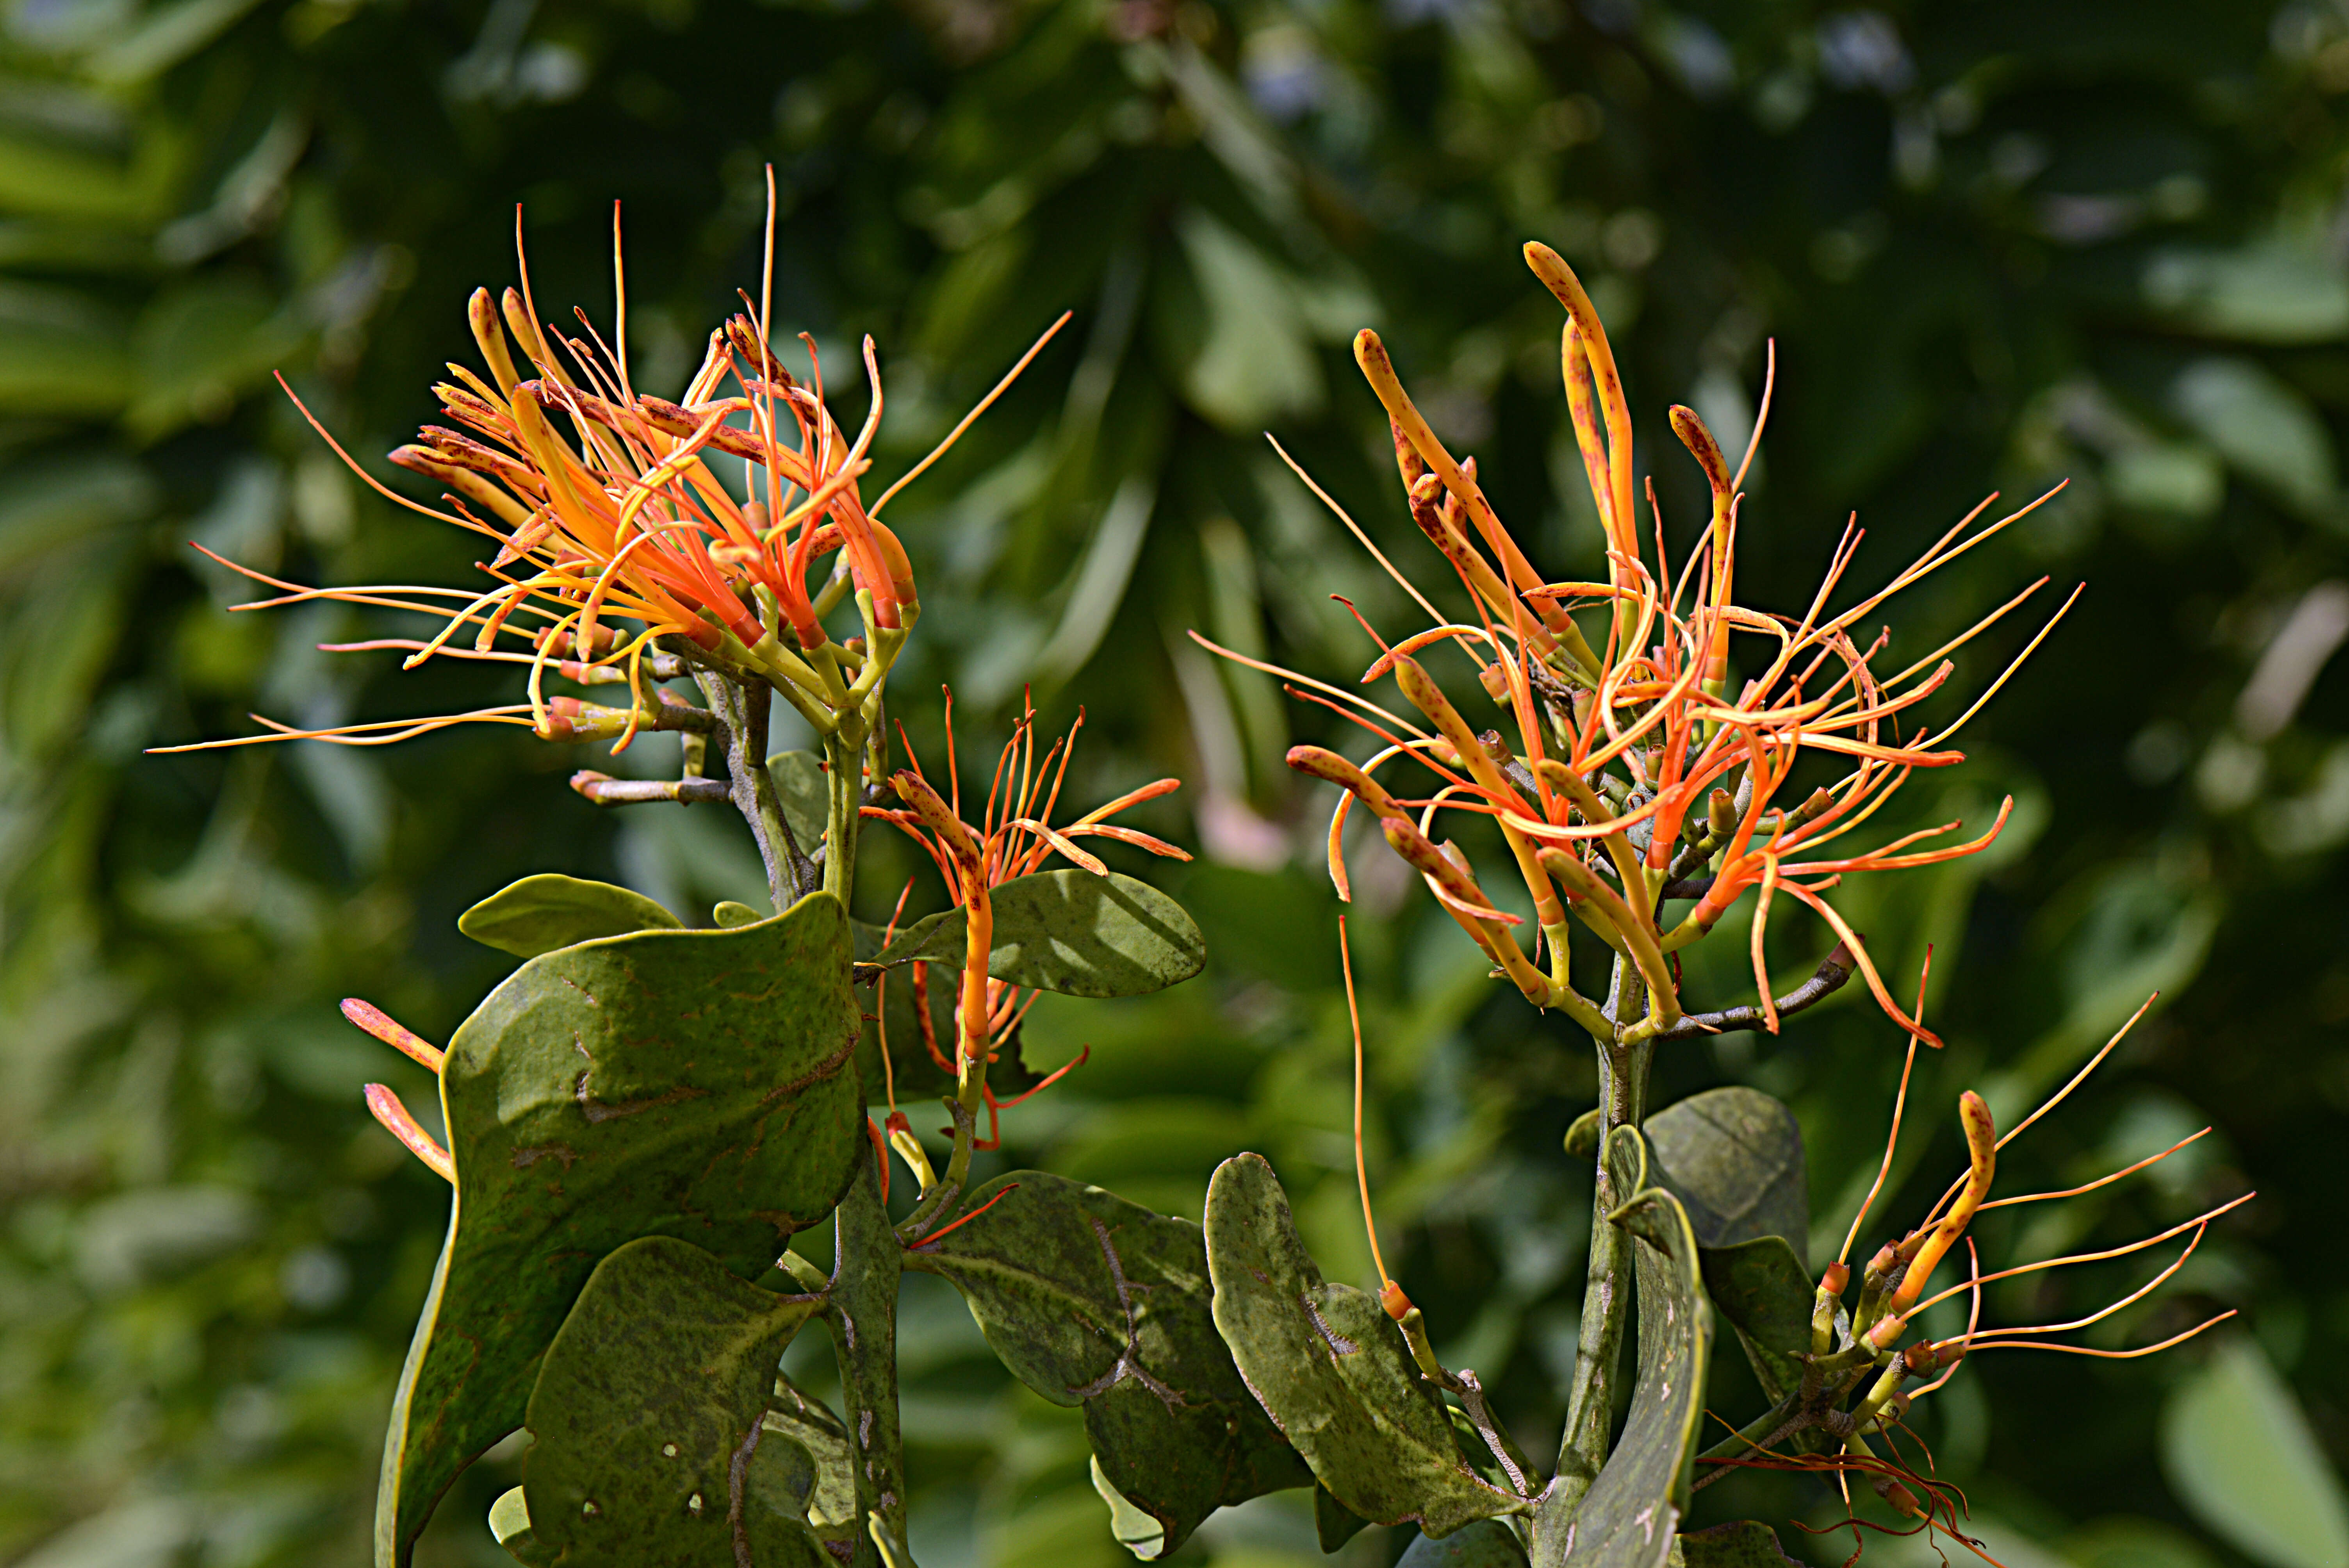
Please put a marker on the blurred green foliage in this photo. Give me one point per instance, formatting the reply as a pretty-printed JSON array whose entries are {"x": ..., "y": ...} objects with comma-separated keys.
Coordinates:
[{"x": 1997, "y": 243}]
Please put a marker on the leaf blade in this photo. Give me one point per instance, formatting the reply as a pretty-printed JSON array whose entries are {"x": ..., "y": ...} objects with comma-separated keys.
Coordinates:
[{"x": 545, "y": 912}]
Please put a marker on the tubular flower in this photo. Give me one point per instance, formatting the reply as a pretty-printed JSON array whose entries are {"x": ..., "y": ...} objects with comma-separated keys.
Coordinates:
[
  {"x": 1851, "y": 1341},
  {"x": 615, "y": 538},
  {"x": 1014, "y": 837},
  {"x": 1638, "y": 777}
]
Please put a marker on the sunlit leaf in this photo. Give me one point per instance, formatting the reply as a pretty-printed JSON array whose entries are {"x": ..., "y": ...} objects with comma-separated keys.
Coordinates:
[
  {"x": 1331, "y": 1367},
  {"x": 1071, "y": 932},
  {"x": 547, "y": 910},
  {"x": 682, "y": 1083}
]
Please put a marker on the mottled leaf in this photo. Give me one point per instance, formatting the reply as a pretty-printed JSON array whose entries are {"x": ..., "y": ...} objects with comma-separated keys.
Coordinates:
[
  {"x": 809, "y": 1424},
  {"x": 1762, "y": 1289},
  {"x": 1627, "y": 1517},
  {"x": 1092, "y": 1300},
  {"x": 1487, "y": 1544},
  {"x": 1734, "y": 1157},
  {"x": 543, "y": 912},
  {"x": 1071, "y": 932},
  {"x": 1331, "y": 1368},
  {"x": 683, "y": 1083},
  {"x": 647, "y": 1437},
  {"x": 1747, "y": 1543}
]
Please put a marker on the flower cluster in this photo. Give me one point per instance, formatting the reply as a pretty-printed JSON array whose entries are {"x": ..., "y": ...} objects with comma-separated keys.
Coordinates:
[
  {"x": 1639, "y": 776},
  {"x": 1014, "y": 837},
  {"x": 617, "y": 542}
]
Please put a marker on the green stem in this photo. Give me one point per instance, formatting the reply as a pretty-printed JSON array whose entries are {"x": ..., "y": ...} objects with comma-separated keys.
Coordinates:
[
  {"x": 864, "y": 1323},
  {"x": 844, "y": 751},
  {"x": 1606, "y": 1290}
]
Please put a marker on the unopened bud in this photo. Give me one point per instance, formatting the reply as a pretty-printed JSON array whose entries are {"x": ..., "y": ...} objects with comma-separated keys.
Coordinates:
[
  {"x": 1721, "y": 814},
  {"x": 1495, "y": 748},
  {"x": 1495, "y": 680},
  {"x": 602, "y": 640},
  {"x": 1887, "y": 1333},
  {"x": 1899, "y": 1497}
]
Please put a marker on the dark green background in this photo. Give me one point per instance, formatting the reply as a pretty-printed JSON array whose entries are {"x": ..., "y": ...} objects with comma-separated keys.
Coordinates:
[{"x": 1998, "y": 244}]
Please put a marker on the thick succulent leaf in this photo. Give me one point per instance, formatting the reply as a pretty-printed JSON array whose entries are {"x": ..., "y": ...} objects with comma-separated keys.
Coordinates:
[
  {"x": 1487, "y": 1544},
  {"x": 1331, "y": 1367},
  {"x": 543, "y": 912},
  {"x": 804, "y": 790},
  {"x": 648, "y": 1449},
  {"x": 1627, "y": 1517},
  {"x": 683, "y": 1083},
  {"x": 1734, "y": 1157},
  {"x": 1091, "y": 1300},
  {"x": 1071, "y": 932},
  {"x": 1747, "y": 1543},
  {"x": 1760, "y": 1286}
]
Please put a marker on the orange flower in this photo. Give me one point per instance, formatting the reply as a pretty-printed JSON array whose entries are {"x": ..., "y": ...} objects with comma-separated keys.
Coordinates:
[
  {"x": 605, "y": 510},
  {"x": 1638, "y": 778},
  {"x": 1014, "y": 837}
]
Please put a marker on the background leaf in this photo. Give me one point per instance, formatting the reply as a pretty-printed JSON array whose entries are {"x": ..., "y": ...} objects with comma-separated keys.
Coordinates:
[{"x": 2240, "y": 1454}]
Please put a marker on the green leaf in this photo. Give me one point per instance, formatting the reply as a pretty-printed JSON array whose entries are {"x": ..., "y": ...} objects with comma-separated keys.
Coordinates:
[
  {"x": 918, "y": 1075},
  {"x": 729, "y": 914},
  {"x": 831, "y": 1498},
  {"x": 1331, "y": 1367},
  {"x": 543, "y": 912},
  {"x": 1762, "y": 1288},
  {"x": 1734, "y": 1157},
  {"x": 2240, "y": 1455},
  {"x": 1487, "y": 1544},
  {"x": 510, "y": 1528},
  {"x": 1140, "y": 1533},
  {"x": 805, "y": 790},
  {"x": 1092, "y": 1300},
  {"x": 1071, "y": 932},
  {"x": 685, "y": 1083},
  {"x": 645, "y": 1424},
  {"x": 1627, "y": 1517},
  {"x": 1747, "y": 1543},
  {"x": 1334, "y": 1523}
]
